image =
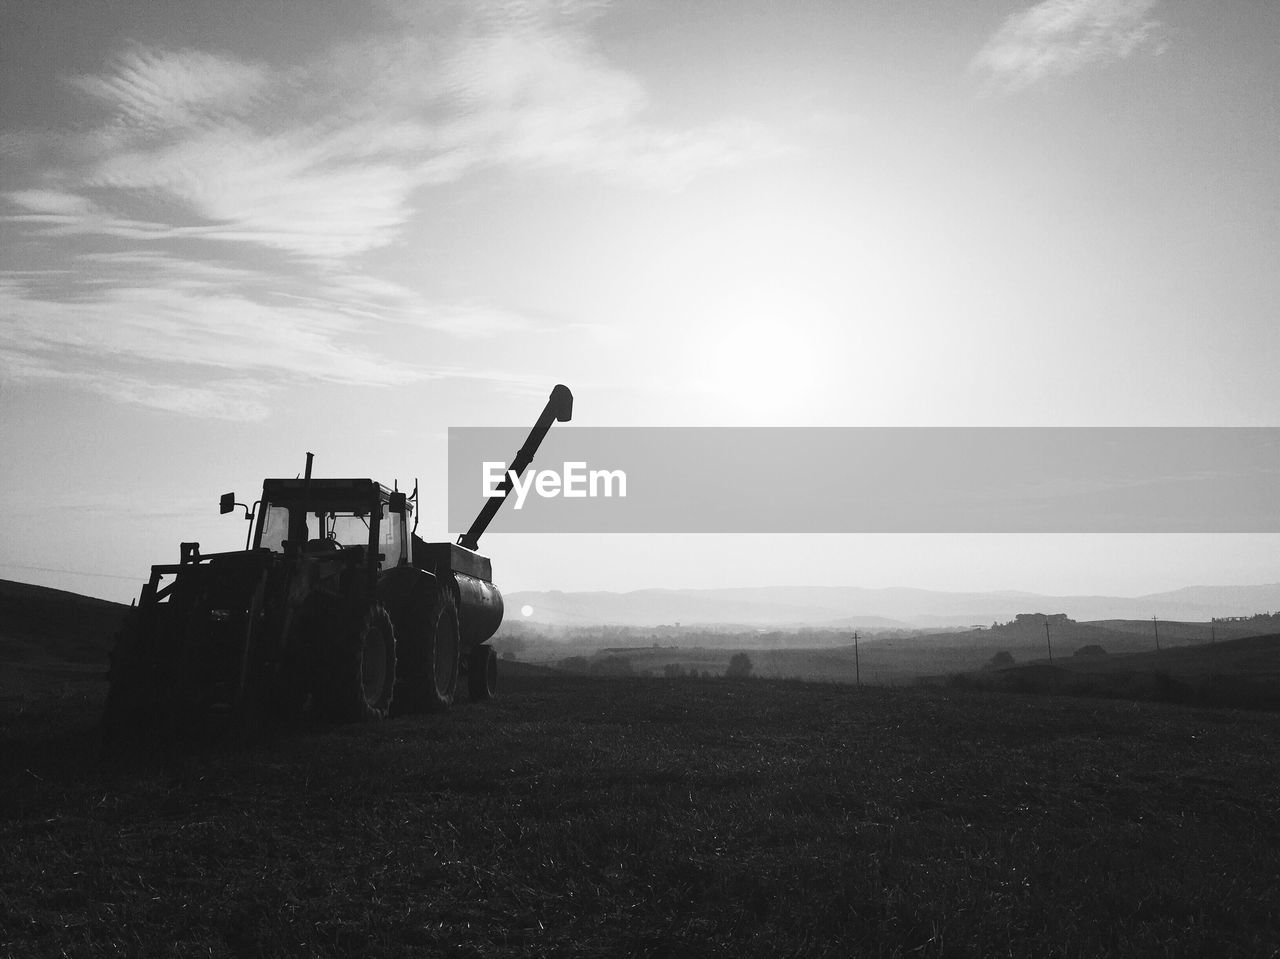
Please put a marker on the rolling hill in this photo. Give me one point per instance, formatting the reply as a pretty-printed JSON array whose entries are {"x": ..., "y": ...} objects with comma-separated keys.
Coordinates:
[{"x": 39, "y": 625}]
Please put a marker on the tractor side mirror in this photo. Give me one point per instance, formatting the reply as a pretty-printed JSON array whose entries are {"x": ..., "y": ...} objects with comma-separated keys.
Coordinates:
[
  {"x": 227, "y": 503},
  {"x": 397, "y": 503}
]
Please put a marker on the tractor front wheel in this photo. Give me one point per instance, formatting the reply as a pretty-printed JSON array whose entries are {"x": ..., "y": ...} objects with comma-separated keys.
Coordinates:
[
  {"x": 363, "y": 670},
  {"x": 125, "y": 712}
]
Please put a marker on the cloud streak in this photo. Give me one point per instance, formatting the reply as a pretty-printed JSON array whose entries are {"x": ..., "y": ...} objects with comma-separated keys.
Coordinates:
[
  {"x": 1062, "y": 37},
  {"x": 196, "y": 346},
  {"x": 218, "y": 341}
]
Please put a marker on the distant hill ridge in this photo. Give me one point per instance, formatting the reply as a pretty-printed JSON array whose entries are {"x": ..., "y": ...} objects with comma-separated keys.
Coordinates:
[
  {"x": 43, "y": 625},
  {"x": 858, "y": 607}
]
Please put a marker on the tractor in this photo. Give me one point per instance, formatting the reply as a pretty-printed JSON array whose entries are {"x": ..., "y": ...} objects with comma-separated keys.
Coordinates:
[{"x": 335, "y": 607}]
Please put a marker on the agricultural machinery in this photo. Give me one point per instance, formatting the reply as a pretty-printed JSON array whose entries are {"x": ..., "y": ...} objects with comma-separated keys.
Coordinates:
[{"x": 335, "y": 606}]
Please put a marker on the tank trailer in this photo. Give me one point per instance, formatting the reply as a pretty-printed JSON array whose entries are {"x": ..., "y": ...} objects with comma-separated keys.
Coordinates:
[{"x": 335, "y": 606}]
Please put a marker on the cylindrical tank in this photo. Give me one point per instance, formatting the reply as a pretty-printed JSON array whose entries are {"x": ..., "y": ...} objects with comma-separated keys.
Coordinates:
[{"x": 479, "y": 608}]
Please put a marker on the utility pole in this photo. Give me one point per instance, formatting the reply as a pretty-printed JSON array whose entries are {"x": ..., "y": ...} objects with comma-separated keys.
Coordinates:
[
  {"x": 857, "y": 667},
  {"x": 1156, "y": 627},
  {"x": 1046, "y": 638},
  {"x": 1213, "y": 635}
]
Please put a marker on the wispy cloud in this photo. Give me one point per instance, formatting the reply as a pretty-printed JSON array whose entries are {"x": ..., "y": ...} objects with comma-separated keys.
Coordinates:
[
  {"x": 325, "y": 160},
  {"x": 539, "y": 99},
  {"x": 164, "y": 90},
  {"x": 194, "y": 160},
  {"x": 1060, "y": 37},
  {"x": 230, "y": 398},
  {"x": 49, "y": 206}
]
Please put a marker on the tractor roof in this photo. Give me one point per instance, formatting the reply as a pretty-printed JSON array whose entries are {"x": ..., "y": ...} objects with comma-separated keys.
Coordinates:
[{"x": 325, "y": 490}]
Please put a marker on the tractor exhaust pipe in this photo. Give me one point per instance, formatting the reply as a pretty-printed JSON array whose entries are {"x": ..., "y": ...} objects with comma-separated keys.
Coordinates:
[{"x": 559, "y": 408}]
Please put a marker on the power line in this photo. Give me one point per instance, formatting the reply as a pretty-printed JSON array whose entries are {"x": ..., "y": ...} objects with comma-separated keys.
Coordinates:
[{"x": 72, "y": 572}]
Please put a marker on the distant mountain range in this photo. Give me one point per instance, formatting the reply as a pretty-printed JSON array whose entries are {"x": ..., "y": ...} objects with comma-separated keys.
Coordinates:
[{"x": 857, "y": 608}]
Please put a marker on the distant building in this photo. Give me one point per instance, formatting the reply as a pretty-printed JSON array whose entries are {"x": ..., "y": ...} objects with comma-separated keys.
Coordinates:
[
  {"x": 1028, "y": 620},
  {"x": 1039, "y": 619},
  {"x": 1256, "y": 618}
]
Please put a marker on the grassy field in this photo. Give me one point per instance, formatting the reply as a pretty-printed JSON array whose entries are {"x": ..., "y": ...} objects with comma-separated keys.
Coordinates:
[
  {"x": 1244, "y": 662},
  {"x": 1239, "y": 673},
  {"x": 591, "y": 817}
]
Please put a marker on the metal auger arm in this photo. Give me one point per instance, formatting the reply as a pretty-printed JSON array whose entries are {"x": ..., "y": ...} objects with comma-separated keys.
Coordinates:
[{"x": 559, "y": 408}]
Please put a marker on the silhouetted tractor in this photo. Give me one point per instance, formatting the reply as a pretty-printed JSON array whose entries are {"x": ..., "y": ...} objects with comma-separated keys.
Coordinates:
[{"x": 336, "y": 607}]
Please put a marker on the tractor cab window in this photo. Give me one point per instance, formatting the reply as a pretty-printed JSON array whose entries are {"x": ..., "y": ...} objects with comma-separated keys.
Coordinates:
[
  {"x": 275, "y": 528},
  {"x": 343, "y": 528},
  {"x": 391, "y": 534}
]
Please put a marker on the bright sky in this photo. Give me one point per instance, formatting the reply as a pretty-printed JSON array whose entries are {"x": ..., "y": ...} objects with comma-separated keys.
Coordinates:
[{"x": 234, "y": 232}]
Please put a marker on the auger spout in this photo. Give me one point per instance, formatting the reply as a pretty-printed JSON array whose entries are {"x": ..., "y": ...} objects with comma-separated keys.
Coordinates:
[{"x": 559, "y": 408}]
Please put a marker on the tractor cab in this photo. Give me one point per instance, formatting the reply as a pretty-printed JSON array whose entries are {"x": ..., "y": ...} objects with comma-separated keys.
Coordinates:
[{"x": 320, "y": 515}]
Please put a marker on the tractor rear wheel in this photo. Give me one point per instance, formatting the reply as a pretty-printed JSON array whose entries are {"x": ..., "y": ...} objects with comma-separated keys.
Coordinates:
[
  {"x": 482, "y": 674},
  {"x": 362, "y": 672}
]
